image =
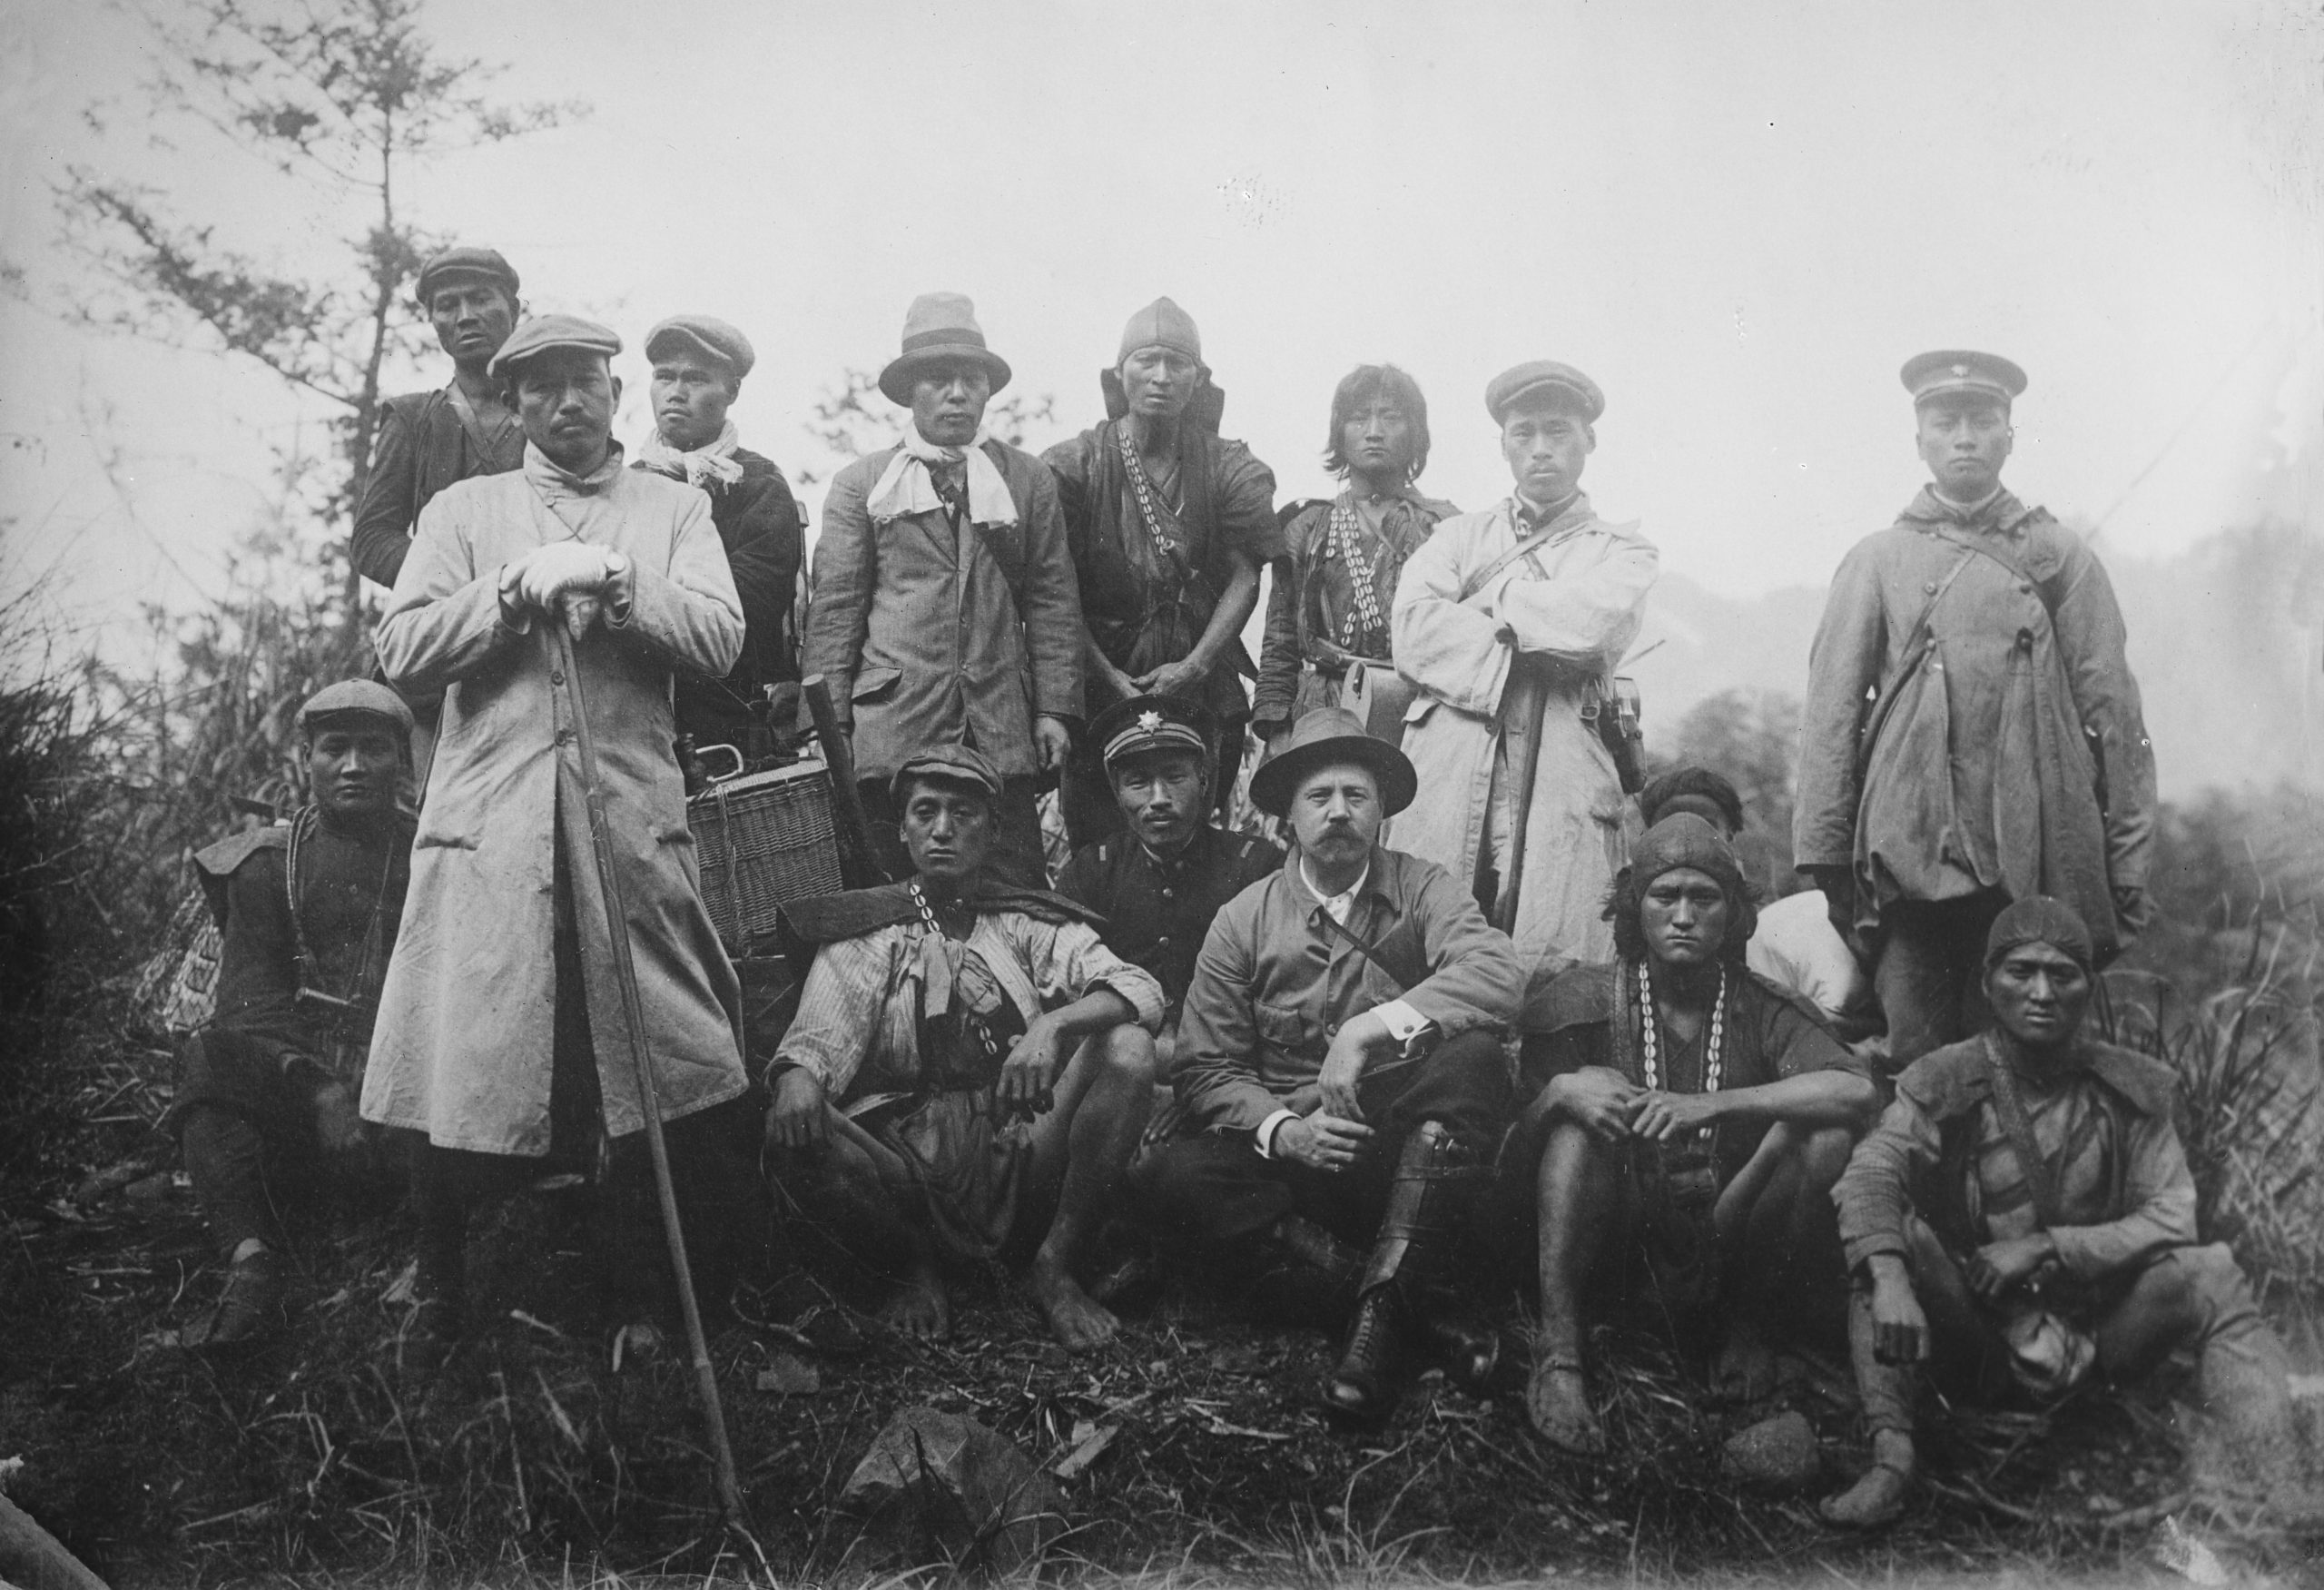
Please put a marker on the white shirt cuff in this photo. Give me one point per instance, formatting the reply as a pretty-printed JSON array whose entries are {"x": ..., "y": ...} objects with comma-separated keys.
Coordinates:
[
  {"x": 1403, "y": 1023},
  {"x": 1264, "y": 1138}
]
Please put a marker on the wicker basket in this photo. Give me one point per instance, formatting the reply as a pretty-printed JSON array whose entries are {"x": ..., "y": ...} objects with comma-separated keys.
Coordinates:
[{"x": 762, "y": 841}]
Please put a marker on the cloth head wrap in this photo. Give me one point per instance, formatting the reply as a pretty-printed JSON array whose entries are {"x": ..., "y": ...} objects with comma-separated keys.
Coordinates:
[
  {"x": 1681, "y": 840},
  {"x": 2040, "y": 920}
]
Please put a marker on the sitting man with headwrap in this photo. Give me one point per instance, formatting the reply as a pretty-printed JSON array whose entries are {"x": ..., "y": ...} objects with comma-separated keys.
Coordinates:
[
  {"x": 1683, "y": 1109},
  {"x": 309, "y": 914},
  {"x": 969, "y": 1067},
  {"x": 2023, "y": 1214},
  {"x": 1341, "y": 1077}
]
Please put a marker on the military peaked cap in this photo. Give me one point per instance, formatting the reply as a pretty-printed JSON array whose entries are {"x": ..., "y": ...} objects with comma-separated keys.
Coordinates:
[{"x": 1959, "y": 370}]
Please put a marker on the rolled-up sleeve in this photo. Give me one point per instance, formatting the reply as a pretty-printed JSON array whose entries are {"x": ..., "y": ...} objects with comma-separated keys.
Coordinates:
[
  {"x": 1069, "y": 961},
  {"x": 840, "y": 1013}
]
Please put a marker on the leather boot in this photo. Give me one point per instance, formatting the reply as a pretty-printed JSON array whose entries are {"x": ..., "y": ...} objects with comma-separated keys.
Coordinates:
[
  {"x": 1436, "y": 1176},
  {"x": 1302, "y": 1275}
]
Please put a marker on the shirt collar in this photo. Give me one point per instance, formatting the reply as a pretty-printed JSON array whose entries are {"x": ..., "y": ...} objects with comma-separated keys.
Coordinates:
[
  {"x": 1529, "y": 517},
  {"x": 544, "y": 472},
  {"x": 1337, "y": 907},
  {"x": 1164, "y": 864}
]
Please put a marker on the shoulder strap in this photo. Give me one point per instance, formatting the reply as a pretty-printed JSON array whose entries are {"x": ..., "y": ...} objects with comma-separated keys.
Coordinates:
[
  {"x": 2040, "y": 1179},
  {"x": 1916, "y": 650},
  {"x": 1984, "y": 547},
  {"x": 1356, "y": 943},
  {"x": 464, "y": 411},
  {"x": 1525, "y": 547}
]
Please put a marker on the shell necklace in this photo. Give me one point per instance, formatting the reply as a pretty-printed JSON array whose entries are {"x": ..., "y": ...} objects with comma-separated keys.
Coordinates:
[{"x": 1650, "y": 1039}]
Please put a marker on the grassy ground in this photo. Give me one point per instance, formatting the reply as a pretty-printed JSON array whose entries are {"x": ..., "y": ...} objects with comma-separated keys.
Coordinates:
[{"x": 533, "y": 1459}]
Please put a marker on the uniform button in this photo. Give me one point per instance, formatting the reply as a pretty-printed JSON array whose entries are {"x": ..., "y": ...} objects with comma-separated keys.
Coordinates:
[
  {"x": 1930, "y": 587},
  {"x": 1331, "y": 1029},
  {"x": 2025, "y": 588},
  {"x": 556, "y": 677},
  {"x": 1164, "y": 941},
  {"x": 1165, "y": 893},
  {"x": 564, "y": 735}
]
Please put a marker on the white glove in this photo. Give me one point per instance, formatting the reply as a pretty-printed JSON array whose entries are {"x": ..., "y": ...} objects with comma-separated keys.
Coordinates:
[{"x": 565, "y": 568}]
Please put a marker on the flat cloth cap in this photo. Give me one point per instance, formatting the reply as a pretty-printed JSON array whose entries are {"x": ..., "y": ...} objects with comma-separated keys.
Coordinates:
[
  {"x": 939, "y": 328},
  {"x": 712, "y": 338},
  {"x": 548, "y": 333},
  {"x": 1951, "y": 370},
  {"x": 459, "y": 262},
  {"x": 1154, "y": 723},
  {"x": 367, "y": 697},
  {"x": 960, "y": 764},
  {"x": 2039, "y": 919},
  {"x": 1161, "y": 324},
  {"x": 1541, "y": 379}
]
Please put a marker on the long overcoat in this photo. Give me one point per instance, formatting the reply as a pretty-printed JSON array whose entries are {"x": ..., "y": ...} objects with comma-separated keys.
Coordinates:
[
  {"x": 930, "y": 635},
  {"x": 1580, "y": 601},
  {"x": 463, "y": 1049},
  {"x": 2014, "y": 755}
]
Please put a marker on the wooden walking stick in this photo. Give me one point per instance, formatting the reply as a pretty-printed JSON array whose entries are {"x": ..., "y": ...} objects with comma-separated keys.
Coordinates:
[{"x": 649, "y": 1100}]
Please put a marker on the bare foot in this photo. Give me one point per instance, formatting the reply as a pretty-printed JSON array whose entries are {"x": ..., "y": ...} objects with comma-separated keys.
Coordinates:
[
  {"x": 1557, "y": 1400},
  {"x": 920, "y": 1307},
  {"x": 1079, "y": 1320},
  {"x": 1745, "y": 1369},
  {"x": 1878, "y": 1498}
]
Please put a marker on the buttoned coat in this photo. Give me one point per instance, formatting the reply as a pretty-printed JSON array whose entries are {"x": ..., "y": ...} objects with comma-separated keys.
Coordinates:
[
  {"x": 2014, "y": 756},
  {"x": 929, "y": 637},
  {"x": 1578, "y": 601},
  {"x": 463, "y": 1047}
]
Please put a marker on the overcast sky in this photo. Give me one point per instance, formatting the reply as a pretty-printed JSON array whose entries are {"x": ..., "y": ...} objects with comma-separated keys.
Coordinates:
[{"x": 1739, "y": 219}]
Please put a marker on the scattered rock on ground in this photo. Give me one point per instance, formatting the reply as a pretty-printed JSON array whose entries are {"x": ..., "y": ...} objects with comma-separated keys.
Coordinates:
[
  {"x": 937, "y": 1488},
  {"x": 1777, "y": 1454},
  {"x": 788, "y": 1375}
]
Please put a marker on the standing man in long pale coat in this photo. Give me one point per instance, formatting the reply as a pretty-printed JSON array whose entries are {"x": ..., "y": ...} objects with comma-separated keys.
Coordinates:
[
  {"x": 500, "y": 1013},
  {"x": 1504, "y": 619}
]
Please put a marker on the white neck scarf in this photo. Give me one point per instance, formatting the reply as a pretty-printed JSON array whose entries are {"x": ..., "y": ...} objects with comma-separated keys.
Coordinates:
[
  {"x": 908, "y": 485},
  {"x": 710, "y": 467},
  {"x": 551, "y": 478}
]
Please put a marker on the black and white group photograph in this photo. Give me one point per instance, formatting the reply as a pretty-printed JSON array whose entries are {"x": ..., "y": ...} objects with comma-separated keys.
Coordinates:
[{"x": 881, "y": 795}]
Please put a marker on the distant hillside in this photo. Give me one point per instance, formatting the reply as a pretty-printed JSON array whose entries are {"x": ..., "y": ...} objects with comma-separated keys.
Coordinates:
[{"x": 2225, "y": 639}]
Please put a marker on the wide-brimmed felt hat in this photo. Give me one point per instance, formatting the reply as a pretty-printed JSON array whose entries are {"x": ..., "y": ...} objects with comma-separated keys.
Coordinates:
[
  {"x": 1962, "y": 371},
  {"x": 1154, "y": 723},
  {"x": 1323, "y": 737},
  {"x": 1543, "y": 380},
  {"x": 712, "y": 338},
  {"x": 940, "y": 326},
  {"x": 546, "y": 334},
  {"x": 463, "y": 260},
  {"x": 360, "y": 697}
]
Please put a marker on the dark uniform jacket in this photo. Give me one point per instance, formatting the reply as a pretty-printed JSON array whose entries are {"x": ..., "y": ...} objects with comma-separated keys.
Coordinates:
[
  {"x": 1157, "y": 913},
  {"x": 758, "y": 521},
  {"x": 351, "y": 905},
  {"x": 423, "y": 447}
]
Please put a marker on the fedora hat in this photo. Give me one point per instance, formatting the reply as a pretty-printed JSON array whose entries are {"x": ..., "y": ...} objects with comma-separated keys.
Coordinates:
[
  {"x": 1326, "y": 735},
  {"x": 940, "y": 326}
]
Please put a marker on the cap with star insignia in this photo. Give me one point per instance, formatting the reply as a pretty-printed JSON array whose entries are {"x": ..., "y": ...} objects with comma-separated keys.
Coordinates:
[
  {"x": 1951, "y": 372},
  {"x": 1154, "y": 723}
]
